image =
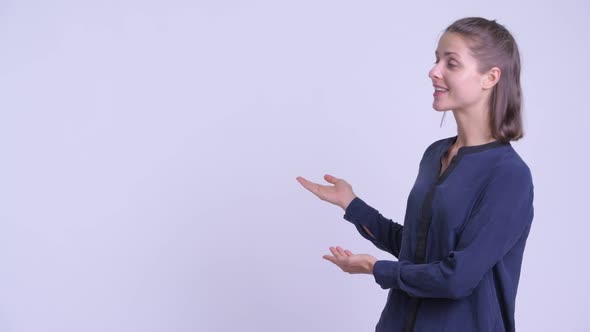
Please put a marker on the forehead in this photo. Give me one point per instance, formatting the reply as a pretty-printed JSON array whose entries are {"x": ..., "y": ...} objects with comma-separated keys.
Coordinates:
[{"x": 452, "y": 43}]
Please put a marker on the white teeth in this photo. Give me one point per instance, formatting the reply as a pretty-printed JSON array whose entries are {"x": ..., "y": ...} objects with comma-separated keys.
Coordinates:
[{"x": 440, "y": 89}]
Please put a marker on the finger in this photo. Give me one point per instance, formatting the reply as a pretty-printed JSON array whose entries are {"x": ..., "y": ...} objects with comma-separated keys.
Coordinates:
[
  {"x": 348, "y": 252},
  {"x": 335, "y": 252},
  {"x": 311, "y": 186},
  {"x": 305, "y": 183},
  {"x": 341, "y": 251},
  {"x": 331, "y": 179}
]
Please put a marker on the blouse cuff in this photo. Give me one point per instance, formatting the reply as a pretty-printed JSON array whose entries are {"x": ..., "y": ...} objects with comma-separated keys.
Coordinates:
[
  {"x": 385, "y": 273},
  {"x": 357, "y": 210}
]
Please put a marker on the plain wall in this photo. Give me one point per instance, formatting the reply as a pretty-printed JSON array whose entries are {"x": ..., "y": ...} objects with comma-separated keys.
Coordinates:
[{"x": 149, "y": 151}]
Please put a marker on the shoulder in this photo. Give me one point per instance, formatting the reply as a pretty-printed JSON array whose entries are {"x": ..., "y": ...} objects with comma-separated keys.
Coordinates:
[
  {"x": 440, "y": 143},
  {"x": 511, "y": 170}
]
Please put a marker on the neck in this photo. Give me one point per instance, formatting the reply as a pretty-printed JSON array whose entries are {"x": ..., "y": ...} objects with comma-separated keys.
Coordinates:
[{"x": 473, "y": 127}]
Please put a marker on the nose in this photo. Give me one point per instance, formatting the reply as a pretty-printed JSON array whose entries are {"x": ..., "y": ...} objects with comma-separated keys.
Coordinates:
[{"x": 434, "y": 73}]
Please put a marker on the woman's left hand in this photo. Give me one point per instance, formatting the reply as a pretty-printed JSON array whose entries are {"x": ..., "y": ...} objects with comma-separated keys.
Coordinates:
[{"x": 351, "y": 263}]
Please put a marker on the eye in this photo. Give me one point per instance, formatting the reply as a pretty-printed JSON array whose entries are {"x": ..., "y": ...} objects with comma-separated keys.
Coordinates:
[{"x": 452, "y": 64}]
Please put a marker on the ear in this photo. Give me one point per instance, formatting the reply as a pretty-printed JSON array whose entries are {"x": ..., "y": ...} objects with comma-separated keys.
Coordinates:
[{"x": 491, "y": 78}]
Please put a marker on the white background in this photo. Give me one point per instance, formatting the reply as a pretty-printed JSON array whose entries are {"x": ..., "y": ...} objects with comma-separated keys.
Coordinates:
[{"x": 149, "y": 151}]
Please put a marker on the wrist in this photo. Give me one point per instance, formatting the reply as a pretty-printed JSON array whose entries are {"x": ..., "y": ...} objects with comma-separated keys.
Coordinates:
[
  {"x": 347, "y": 201},
  {"x": 371, "y": 265}
]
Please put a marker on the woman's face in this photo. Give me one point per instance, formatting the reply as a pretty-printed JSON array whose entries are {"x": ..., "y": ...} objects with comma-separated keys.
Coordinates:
[{"x": 455, "y": 73}]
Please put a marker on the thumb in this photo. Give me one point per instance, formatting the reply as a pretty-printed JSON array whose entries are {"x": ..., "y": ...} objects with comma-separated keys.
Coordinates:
[
  {"x": 329, "y": 258},
  {"x": 331, "y": 179}
]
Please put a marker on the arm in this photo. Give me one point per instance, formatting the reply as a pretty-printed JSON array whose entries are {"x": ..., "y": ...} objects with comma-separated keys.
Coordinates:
[
  {"x": 382, "y": 232},
  {"x": 368, "y": 231},
  {"x": 503, "y": 215}
]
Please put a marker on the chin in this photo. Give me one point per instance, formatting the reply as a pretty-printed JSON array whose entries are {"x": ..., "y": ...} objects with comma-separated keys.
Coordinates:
[{"x": 440, "y": 108}]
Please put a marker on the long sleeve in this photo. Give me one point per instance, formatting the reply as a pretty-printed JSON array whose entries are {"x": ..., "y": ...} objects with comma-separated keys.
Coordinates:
[
  {"x": 502, "y": 216},
  {"x": 388, "y": 234}
]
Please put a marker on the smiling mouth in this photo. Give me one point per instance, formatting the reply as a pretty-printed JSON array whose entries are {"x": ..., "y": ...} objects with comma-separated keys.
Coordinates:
[{"x": 439, "y": 90}]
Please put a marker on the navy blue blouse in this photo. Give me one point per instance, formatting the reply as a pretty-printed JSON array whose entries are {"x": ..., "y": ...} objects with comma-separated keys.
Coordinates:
[{"x": 461, "y": 246}]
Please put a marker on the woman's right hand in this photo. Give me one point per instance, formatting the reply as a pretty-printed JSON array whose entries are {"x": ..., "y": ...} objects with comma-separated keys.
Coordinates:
[{"x": 340, "y": 193}]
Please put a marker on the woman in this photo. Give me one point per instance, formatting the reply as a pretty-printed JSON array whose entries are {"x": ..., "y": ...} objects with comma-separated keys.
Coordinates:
[{"x": 470, "y": 210}]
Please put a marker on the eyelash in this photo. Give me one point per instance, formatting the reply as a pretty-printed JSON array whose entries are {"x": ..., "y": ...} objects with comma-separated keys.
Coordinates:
[{"x": 450, "y": 64}]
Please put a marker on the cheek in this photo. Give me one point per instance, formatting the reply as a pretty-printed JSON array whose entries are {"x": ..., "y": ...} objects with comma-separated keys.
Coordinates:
[{"x": 465, "y": 87}]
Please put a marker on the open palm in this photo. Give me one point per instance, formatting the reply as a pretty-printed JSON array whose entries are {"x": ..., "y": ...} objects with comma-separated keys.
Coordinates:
[
  {"x": 340, "y": 193},
  {"x": 351, "y": 263}
]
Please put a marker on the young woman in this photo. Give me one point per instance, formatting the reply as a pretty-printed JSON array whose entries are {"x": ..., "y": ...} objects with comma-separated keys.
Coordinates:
[{"x": 470, "y": 211}]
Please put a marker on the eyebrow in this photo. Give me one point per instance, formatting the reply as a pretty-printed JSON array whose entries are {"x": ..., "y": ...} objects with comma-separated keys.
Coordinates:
[{"x": 448, "y": 53}]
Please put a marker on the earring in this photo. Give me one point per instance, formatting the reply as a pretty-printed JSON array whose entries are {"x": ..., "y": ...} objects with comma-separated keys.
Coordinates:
[{"x": 443, "y": 119}]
